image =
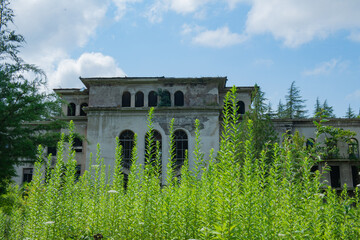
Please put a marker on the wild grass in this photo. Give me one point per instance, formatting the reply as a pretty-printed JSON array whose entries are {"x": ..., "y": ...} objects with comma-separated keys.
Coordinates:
[{"x": 232, "y": 195}]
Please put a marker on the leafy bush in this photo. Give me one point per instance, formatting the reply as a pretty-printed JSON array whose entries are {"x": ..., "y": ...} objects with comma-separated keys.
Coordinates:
[{"x": 229, "y": 196}]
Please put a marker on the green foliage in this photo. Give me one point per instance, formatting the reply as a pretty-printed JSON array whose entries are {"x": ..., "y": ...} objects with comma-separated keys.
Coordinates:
[
  {"x": 237, "y": 195},
  {"x": 165, "y": 100},
  {"x": 294, "y": 106},
  {"x": 332, "y": 136},
  {"x": 323, "y": 109},
  {"x": 22, "y": 105},
  {"x": 350, "y": 113}
]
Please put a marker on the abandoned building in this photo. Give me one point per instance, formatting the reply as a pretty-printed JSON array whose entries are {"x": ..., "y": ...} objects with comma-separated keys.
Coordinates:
[{"x": 117, "y": 107}]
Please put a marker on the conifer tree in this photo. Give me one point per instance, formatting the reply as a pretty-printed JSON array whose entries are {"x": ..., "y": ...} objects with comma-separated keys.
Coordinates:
[
  {"x": 295, "y": 107},
  {"x": 328, "y": 110},
  {"x": 317, "y": 107},
  {"x": 280, "y": 110},
  {"x": 349, "y": 113},
  {"x": 22, "y": 105}
]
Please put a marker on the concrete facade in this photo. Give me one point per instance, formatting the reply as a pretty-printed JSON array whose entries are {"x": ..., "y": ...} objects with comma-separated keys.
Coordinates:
[{"x": 110, "y": 107}]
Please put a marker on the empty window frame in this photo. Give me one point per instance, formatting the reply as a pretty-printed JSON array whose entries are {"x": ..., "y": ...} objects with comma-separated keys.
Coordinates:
[
  {"x": 240, "y": 107},
  {"x": 127, "y": 142},
  {"x": 126, "y": 99},
  {"x": 179, "y": 98},
  {"x": 139, "y": 99},
  {"x": 353, "y": 148},
  {"x": 52, "y": 151},
  {"x": 78, "y": 145},
  {"x": 165, "y": 98},
  {"x": 82, "y": 106},
  {"x": 355, "y": 175},
  {"x": 335, "y": 176},
  {"x": 71, "y": 109},
  {"x": 181, "y": 146},
  {"x": 310, "y": 143},
  {"x": 151, "y": 153},
  {"x": 152, "y": 99},
  {"x": 27, "y": 174}
]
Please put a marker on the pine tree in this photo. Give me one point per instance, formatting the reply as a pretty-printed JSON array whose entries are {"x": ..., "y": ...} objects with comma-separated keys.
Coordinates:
[
  {"x": 317, "y": 107},
  {"x": 280, "y": 110},
  {"x": 349, "y": 113},
  {"x": 295, "y": 107},
  {"x": 328, "y": 110},
  {"x": 22, "y": 105}
]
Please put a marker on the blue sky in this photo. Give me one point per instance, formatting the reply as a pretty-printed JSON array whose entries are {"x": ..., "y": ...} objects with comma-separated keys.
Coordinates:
[{"x": 315, "y": 43}]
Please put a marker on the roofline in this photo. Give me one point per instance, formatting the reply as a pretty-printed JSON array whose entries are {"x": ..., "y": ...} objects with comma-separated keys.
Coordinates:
[{"x": 96, "y": 81}]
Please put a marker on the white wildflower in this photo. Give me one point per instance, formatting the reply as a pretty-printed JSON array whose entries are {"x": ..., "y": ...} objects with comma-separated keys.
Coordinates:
[
  {"x": 320, "y": 195},
  {"x": 281, "y": 235},
  {"x": 50, "y": 222},
  {"x": 358, "y": 185},
  {"x": 113, "y": 191},
  {"x": 141, "y": 223}
]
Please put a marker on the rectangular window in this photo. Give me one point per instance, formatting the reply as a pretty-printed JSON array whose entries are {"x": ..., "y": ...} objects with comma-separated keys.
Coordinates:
[
  {"x": 27, "y": 174},
  {"x": 335, "y": 176},
  {"x": 355, "y": 175}
]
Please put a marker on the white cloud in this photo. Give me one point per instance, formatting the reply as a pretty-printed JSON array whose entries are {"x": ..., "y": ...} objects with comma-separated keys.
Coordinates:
[
  {"x": 159, "y": 7},
  {"x": 87, "y": 65},
  {"x": 298, "y": 22},
  {"x": 122, "y": 7},
  {"x": 323, "y": 68},
  {"x": 54, "y": 28},
  {"x": 219, "y": 38}
]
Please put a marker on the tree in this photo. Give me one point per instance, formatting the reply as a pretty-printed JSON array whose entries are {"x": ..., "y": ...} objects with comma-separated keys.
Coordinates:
[
  {"x": 317, "y": 107},
  {"x": 295, "y": 107},
  {"x": 324, "y": 109},
  {"x": 23, "y": 108},
  {"x": 280, "y": 110},
  {"x": 350, "y": 113},
  {"x": 263, "y": 129}
]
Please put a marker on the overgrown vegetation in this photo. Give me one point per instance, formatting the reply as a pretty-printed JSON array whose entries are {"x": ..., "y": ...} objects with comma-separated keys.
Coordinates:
[{"x": 232, "y": 195}]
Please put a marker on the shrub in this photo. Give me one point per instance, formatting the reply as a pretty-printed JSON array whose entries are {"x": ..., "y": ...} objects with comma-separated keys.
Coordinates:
[{"x": 232, "y": 195}]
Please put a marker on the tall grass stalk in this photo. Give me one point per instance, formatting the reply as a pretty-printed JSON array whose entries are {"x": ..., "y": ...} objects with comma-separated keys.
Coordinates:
[{"x": 232, "y": 194}]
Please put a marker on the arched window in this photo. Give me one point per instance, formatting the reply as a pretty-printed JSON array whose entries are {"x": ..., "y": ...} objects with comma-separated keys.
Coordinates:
[
  {"x": 181, "y": 146},
  {"x": 179, "y": 98},
  {"x": 152, "y": 99},
  {"x": 151, "y": 150},
  {"x": 127, "y": 142},
  {"x": 126, "y": 99},
  {"x": 240, "y": 107},
  {"x": 353, "y": 148},
  {"x": 71, "y": 109},
  {"x": 139, "y": 99},
  {"x": 83, "y": 105},
  {"x": 165, "y": 98}
]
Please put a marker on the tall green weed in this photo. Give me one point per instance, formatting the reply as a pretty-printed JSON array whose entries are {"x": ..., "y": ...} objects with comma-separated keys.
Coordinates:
[{"x": 231, "y": 195}]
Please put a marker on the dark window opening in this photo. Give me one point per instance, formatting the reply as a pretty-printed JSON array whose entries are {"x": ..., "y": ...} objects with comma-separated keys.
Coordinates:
[
  {"x": 126, "y": 99},
  {"x": 127, "y": 142},
  {"x": 139, "y": 99},
  {"x": 310, "y": 143},
  {"x": 71, "y": 109},
  {"x": 181, "y": 146},
  {"x": 165, "y": 98},
  {"x": 240, "y": 107},
  {"x": 151, "y": 154},
  {"x": 355, "y": 175},
  {"x": 335, "y": 176},
  {"x": 314, "y": 168},
  {"x": 78, "y": 145},
  {"x": 179, "y": 99},
  {"x": 82, "y": 106},
  {"x": 52, "y": 151},
  {"x": 152, "y": 99},
  {"x": 77, "y": 172},
  {"x": 27, "y": 175},
  {"x": 353, "y": 148}
]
